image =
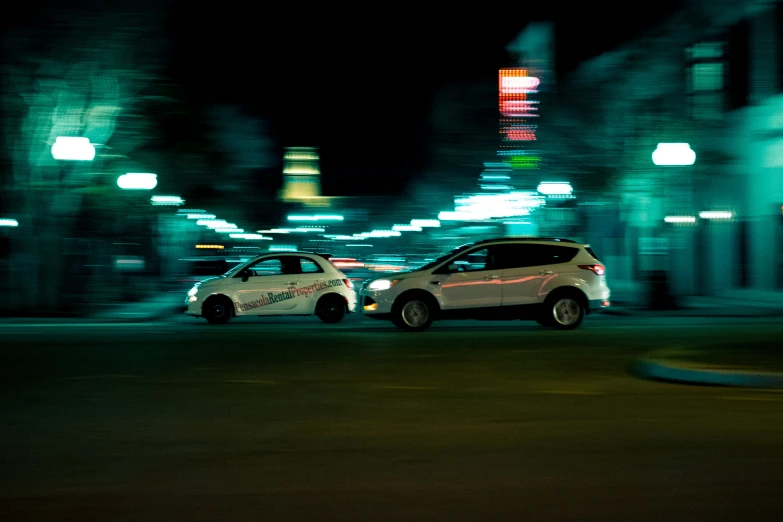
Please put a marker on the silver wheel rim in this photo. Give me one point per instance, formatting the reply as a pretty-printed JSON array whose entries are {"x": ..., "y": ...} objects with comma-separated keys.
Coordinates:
[
  {"x": 415, "y": 313},
  {"x": 218, "y": 310},
  {"x": 566, "y": 312}
]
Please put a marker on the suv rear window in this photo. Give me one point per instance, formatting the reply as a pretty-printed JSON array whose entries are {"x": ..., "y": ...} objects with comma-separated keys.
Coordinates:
[{"x": 590, "y": 251}]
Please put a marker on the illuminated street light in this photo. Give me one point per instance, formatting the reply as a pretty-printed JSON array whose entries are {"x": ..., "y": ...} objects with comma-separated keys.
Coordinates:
[
  {"x": 552, "y": 188},
  {"x": 167, "y": 200},
  {"x": 137, "y": 181},
  {"x": 674, "y": 154},
  {"x": 67, "y": 148}
]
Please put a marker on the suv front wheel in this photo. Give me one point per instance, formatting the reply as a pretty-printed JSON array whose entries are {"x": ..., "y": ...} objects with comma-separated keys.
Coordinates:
[{"x": 413, "y": 314}]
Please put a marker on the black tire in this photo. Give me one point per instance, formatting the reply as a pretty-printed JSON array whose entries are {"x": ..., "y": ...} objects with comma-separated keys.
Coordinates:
[
  {"x": 564, "y": 310},
  {"x": 217, "y": 309},
  {"x": 544, "y": 319},
  {"x": 330, "y": 309},
  {"x": 414, "y": 313}
]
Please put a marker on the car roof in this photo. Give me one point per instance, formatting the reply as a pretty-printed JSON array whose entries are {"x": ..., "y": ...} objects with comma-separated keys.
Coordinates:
[
  {"x": 512, "y": 239},
  {"x": 295, "y": 252}
]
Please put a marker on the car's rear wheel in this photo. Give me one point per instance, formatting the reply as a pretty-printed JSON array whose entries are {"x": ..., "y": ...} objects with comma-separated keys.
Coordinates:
[
  {"x": 563, "y": 311},
  {"x": 217, "y": 309},
  {"x": 331, "y": 309},
  {"x": 413, "y": 314}
]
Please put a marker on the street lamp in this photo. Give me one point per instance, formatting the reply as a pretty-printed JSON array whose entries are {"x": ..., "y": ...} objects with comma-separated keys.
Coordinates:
[
  {"x": 674, "y": 154},
  {"x": 68, "y": 148},
  {"x": 137, "y": 181}
]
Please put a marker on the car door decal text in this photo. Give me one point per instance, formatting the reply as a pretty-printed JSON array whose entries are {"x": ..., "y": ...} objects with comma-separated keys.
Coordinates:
[{"x": 290, "y": 293}]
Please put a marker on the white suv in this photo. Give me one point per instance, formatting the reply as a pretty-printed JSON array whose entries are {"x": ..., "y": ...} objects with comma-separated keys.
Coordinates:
[
  {"x": 280, "y": 283},
  {"x": 553, "y": 281}
]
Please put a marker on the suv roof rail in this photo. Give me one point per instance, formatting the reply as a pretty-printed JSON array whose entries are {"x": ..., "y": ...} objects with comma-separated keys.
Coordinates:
[{"x": 512, "y": 238}]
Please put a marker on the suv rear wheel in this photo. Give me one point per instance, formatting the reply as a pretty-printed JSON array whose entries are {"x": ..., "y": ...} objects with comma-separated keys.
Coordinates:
[{"x": 563, "y": 311}]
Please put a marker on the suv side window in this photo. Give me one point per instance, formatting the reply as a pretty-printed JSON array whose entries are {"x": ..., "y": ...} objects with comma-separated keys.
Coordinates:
[
  {"x": 524, "y": 255},
  {"x": 472, "y": 261}
]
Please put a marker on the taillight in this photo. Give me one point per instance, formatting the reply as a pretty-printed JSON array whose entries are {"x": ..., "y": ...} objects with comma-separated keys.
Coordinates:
[
  {"x": 596, "y": 269},
  {"x": 348, "y": 283}
]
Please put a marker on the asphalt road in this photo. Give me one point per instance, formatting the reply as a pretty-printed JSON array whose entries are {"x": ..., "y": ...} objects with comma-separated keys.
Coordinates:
[{"x": 296, "y": 420}]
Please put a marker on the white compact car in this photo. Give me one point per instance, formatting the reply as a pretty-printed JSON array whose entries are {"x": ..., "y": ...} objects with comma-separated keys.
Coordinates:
[
  {"x": 280, "y": 283},
  {"x": 553, "y": 281}
]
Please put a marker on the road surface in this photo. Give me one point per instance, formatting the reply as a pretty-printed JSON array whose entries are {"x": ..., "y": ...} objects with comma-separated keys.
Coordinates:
[{"x": 292, "y": 419}]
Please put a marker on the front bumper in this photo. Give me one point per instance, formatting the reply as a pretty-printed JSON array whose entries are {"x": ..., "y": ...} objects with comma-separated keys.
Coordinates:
[
  {"x": 375, "y": 303},
  {"x": 193, "y": 307}
]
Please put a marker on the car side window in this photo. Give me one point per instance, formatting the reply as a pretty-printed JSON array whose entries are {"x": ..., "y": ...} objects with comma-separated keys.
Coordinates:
[
  {"x": 472, "y": 261},
  {"x": 309, "y": 266},
  {"x": 265, "y": 267}
]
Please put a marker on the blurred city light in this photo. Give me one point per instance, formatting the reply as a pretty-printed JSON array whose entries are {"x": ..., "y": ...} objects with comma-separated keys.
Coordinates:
[
  {"x": 229, "y": 230},
  {"x": 7, "y": 222},
  {"x": 250, "y": 236},
  {"x": 551, "y": 188},
  {"x": 406, "y": 228},
  {"x": 201, "y": 216},
  {"x": 73, "y": 149},
  {"x": 317, "y": 217},
  {"x": 680, "y": 219},
  {"x": 167, "y": 200},
  {"x": 674, "y": 154},
  {"x": 716, "y": 214},
  {"x": 210, "y": 247},
  {"x": 424, "y": 223},
  {"x": 282, "y": 248},
  {"x": 137, "y": 181}
]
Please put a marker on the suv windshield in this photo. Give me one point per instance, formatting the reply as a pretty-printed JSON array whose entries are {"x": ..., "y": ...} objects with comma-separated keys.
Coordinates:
[{"x": 433, "y": 264}]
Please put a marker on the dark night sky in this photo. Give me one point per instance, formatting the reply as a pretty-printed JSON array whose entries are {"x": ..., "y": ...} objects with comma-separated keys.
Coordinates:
[{"x": 358, "y": 83}]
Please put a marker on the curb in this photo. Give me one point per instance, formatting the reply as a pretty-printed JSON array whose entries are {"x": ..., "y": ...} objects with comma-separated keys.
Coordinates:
[{"x": 659, "y": 371}]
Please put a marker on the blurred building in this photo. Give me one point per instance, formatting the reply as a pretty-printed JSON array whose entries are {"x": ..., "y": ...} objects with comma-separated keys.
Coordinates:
[{"x": 710, "y": 77}]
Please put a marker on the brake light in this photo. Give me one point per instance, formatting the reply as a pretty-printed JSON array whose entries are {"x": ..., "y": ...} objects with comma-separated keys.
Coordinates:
[
  {"x": 348, "y": 283},
  {"x": 596, "y": 269}
]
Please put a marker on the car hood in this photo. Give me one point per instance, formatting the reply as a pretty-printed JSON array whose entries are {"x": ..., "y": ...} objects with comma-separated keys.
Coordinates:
[{"x": 210, "y": 280}]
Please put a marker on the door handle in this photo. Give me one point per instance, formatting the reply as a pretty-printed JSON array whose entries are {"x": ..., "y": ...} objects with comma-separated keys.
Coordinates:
[
  {"x": 436, "y": 282},
  {"x": 490, "y": 277},
  {"x": 292, "y": 283},
  {"x": 545, "y": 272}
]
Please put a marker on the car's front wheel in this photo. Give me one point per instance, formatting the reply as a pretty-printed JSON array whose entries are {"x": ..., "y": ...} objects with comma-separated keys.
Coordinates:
[
  {"x": 413, "y": 314},
  {"x": 217, "y": 309}
]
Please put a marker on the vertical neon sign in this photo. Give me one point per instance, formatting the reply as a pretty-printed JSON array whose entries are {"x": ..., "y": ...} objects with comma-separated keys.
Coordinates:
[{"x": 517, "y": 113}]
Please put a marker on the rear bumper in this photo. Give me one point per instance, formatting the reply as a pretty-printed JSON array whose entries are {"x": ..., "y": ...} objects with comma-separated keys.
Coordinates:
[{"x": 598, "y": 306}]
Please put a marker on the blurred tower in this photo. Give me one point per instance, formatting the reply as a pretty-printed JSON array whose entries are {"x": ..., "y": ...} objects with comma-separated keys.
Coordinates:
[{"x": 301, "y": 175}]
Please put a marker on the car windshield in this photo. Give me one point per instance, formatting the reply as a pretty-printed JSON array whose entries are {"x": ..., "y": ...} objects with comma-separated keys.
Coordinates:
[
  {"x": 238, "y": 267},
  {"x": 433, "y": 264}
]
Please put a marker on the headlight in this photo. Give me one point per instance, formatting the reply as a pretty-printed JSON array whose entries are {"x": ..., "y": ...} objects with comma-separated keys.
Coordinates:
[
  {"x": 193, "y": 291},
  {"x": 383, "y": 284}
]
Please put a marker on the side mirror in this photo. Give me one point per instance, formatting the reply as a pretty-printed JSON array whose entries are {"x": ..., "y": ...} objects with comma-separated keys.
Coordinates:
[{"x": 245, "y": 275}]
